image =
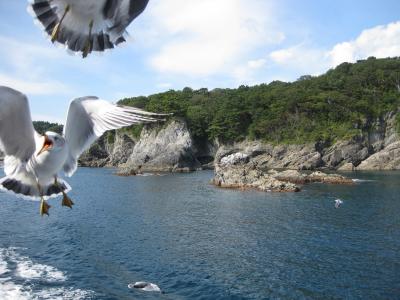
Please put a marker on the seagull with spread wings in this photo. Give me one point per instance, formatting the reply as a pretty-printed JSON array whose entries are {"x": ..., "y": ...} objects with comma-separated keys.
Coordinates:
[
  {"x": 87, "y": 25},
  {"x": 33, "y": 162}
]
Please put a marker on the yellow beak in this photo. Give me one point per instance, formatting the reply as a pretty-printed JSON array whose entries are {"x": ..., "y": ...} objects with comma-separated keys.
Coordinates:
[{"x": 46, "y": 145}]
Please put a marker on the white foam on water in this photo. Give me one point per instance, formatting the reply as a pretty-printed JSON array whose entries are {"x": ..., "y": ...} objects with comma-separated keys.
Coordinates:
[
  {"x": 64, "y": 294},
  {"x": 28, "y": 272},
  {"x": 3, "y": 265},
  {"x": 362, "y": 180},
  {"x": 12, "y": 291},
  {"x": 27, "y": 269}
]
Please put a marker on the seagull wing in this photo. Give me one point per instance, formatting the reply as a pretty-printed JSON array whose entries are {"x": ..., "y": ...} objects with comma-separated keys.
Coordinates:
[
  {"x": 127, "y": 11},
  {"x": 89, "y": 117},
  {"x": 17, "y": 135}
]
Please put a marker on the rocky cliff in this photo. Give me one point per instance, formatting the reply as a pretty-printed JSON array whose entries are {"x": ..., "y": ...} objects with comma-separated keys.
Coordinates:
[
  {"x": 166, "y": 147},
  {"x": 170, "y": 147},
  {"x": 374, "y": 149}
]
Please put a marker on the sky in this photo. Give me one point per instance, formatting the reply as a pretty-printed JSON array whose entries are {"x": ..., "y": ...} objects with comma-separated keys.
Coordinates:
[{"x": 196, "y": 43}]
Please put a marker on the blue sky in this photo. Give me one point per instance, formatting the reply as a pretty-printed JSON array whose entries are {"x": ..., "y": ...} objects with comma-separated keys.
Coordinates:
[{"x": 196, "y": 43}]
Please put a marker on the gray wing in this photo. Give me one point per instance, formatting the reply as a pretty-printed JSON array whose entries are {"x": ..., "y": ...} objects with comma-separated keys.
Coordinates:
[
  {"x": 127, "y": 11},
  {"x": 17, "y": 135},
  {"x": 89, "y": 117}
]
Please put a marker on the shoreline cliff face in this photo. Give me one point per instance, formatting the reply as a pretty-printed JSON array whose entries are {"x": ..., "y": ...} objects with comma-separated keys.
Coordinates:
[
  {"x": 171, "y": 148},
  {"x": 162, "y": 148},
  {"x": 375, "y": 149}
]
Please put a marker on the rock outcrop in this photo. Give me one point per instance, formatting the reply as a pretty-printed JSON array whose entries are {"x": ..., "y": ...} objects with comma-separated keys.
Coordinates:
[
  {"x": 120, "y": 150},
  {"x": 239, "y": 170},
  {"x": 297, "y": 177},
  {"x": 386, "y": 159},
  {"x": 162, "y": 148},
  {"x": 267, "y": 156},
  {"x": 96, "y": 157},
  {"x": 235, "y": 171}
]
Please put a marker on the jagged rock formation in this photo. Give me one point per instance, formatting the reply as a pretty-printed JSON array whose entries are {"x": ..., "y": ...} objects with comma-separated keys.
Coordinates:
[
  {"x": 235, "y": 171},
  {"x": 386, "y": 159},
  {"x": 170, "y": 147},
  {"x": 239, "y": 170},
  {"x": 267, "y": 156},
  {"x": 374, "y": 150},
  {"x": 120, "y": 150},
  {"x": 106, "y": 153},
  {"x": 96, "y": 156},
  {"x": 162, "y": 148}
]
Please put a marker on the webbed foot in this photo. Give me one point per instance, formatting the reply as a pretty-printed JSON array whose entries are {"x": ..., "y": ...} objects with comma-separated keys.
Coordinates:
[
  {"x": 44, "y": 208},
  {"x": 66, "y": 201}
]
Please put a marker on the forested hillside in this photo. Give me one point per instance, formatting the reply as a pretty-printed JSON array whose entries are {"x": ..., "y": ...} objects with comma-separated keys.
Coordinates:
[
  {"x": 339, "y": 104},
  {"x": 43, "y": 126}
]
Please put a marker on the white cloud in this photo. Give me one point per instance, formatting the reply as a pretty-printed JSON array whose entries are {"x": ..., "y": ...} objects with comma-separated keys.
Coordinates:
[
  {"x": 302, "y": 59},
  {"x": 245, "y": 73},
  {"x": 202, "y": 38},
  {"x": 25, "y": 71},
  {"x": 256, "y": 64},
  {"x": 34, "y": 87},
  {"x": 380, "y": 41}
]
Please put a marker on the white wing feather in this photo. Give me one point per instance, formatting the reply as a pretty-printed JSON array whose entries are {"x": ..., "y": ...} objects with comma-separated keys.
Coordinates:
[
  {"x": 17, "y": 135},
  {"x": 89, "y": 117}
]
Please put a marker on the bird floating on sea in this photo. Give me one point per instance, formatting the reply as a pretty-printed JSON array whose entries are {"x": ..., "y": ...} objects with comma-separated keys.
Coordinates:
[
  {"x": 33, "y": 162},
  {"x": 87, "y": 25},
  {"x": 145, "y": 286},
  {"x": 338, "y": 202}
]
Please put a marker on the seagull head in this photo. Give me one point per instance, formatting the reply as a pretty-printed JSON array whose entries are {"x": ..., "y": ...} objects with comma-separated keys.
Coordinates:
[{"x": 52, "y": 142}]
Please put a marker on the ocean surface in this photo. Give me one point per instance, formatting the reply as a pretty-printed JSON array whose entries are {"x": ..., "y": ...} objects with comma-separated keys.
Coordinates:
[{"x": 196, "y": 241}]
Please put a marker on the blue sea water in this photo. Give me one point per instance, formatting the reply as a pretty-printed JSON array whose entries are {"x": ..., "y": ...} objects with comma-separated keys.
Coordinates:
[{"x": 196, "y": 241}]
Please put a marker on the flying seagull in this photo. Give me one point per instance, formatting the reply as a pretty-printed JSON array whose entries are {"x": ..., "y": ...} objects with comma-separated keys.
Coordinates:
[
  {"x": 33, "y": 162},
  {"x": 87, "y": 25}
]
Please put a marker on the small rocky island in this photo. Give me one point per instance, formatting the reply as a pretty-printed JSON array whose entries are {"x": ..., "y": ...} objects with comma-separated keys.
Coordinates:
[{"x": 239, "y": 170}]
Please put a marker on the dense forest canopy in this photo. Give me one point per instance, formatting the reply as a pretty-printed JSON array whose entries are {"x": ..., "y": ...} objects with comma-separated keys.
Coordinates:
[
  {"x": 339, "y": 104},
  {"x": 43, "y": 126}
]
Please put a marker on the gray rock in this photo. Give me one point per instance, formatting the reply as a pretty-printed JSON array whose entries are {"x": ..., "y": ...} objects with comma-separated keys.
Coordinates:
[
  {"x": 353, "y": 151},
  {"x": 386, "y": 159},
  {"x": 121, "y": 149},
  {"x": 238, "y": 170},
  {"x": 166, "y": 147},
  {"x": 242, "y": 176},
  {"x": 302, "y": 157}
]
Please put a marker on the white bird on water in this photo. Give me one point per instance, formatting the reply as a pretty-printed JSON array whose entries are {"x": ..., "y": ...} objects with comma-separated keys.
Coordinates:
[
  {"x": 338, "y": 202},
  {"x": 145, "y": 286},
  {"x": 33, "y": 162},
  {"x": 87, "y": 25}
]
